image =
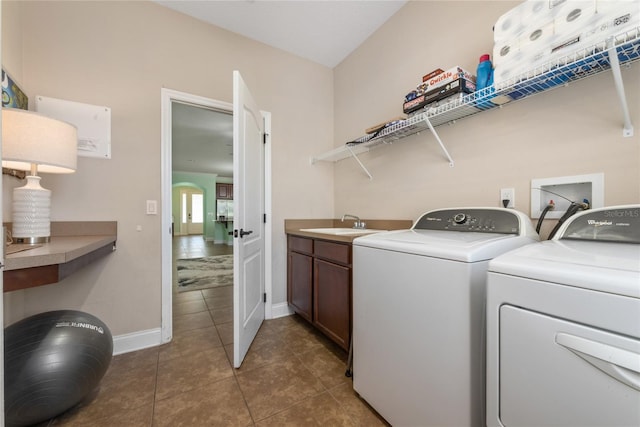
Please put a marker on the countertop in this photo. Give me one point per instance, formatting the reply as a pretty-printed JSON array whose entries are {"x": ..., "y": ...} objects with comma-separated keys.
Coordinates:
[
  {"x": 294, "y": 226},
  {"x": 73, "y": 245},
  {"x": 59, "y": 251}
]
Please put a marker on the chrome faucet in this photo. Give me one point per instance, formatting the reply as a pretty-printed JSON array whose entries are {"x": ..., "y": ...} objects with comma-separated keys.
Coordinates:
[{"x": 358, "y": 224}]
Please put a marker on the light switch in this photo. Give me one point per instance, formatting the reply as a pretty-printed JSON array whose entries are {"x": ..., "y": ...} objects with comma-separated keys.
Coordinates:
[{"x": 152, "y": 207}]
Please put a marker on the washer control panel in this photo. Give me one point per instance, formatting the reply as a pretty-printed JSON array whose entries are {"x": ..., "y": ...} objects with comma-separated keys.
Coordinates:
[
  {"x": 614, "y": 224},
  {"x": 480, "y": 220}
]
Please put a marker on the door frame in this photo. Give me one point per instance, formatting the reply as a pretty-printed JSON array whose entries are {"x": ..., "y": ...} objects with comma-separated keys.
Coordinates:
[{"x": 168, "y": 96}]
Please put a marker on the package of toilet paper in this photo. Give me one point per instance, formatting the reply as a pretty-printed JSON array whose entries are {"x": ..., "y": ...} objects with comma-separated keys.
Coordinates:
[{"x": 540, "y": 35}]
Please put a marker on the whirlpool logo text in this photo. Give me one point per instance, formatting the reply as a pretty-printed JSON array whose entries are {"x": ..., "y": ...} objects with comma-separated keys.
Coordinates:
[{"x": 599, "y": 223}]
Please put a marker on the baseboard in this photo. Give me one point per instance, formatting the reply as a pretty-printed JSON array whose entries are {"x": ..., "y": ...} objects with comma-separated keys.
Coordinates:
[
  {"x": 137, "y": 341},
  {"x": 153, "y": 337},
  {"x": 280, "y": 310}
]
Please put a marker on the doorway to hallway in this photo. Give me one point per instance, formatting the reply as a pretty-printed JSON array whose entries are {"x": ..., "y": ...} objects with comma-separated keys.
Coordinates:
[{"x": 171, "y": 98}]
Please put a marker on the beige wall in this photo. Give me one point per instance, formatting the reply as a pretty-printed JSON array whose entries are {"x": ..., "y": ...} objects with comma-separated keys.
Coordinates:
[
  {"x": 569, "y": 131},
  {"x": 120, "y": 54}
]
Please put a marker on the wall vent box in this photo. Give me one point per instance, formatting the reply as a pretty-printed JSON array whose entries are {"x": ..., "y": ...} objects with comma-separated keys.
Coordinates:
[
  {"x": 575, "y": 188},
  {"x": 93, "y": 123}
]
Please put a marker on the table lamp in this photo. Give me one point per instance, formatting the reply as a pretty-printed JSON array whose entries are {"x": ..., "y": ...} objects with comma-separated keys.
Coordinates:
[{"x": 35, "y": 143}]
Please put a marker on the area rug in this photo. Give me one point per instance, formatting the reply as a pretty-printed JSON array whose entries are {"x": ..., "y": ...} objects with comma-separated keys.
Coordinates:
[{"x": 204, "y": 273}]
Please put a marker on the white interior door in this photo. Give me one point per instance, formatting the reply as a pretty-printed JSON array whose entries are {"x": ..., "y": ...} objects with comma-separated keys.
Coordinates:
[{"x": 249, "y": 229}]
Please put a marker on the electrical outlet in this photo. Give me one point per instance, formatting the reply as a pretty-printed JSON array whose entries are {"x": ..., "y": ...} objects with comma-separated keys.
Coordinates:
[{"x": 508, "y": 194}]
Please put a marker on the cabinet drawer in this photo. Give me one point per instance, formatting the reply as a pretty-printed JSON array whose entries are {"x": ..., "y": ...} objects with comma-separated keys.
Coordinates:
[
  {"x": 300, "y": 244},
  {"x": 333, "y": 251}
]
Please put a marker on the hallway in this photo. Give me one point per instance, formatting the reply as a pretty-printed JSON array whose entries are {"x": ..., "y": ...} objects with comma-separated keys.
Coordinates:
[{"x": 292, "y": 375}]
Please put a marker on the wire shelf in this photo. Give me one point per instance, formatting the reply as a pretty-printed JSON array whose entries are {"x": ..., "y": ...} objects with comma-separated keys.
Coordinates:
[{"x": 560, "y": 72}]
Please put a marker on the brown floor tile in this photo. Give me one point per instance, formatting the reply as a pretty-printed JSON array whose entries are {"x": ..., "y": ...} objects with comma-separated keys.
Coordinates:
[
  {"x": 196, "y": 370},
  {"x": 282, "y": 324},
  {"x": 119, "y": 390},
  {"x": 359, "y": 411},
  {"x": 189, "y": 322},
  {"x": 229, "y": 350},
  {"x": 265, "y": 350},
  {"x": 219, "y": 302},
  {"x": 190, "y": 342},
  {"x": 326, "y": 366},
  {"x": 220, "y": 291},
  {"x": 271, "y": 388},
  {"x": 301, "y": 340},
  {"x": 189, "y": 307},
  {"x": 222, "y": 315},
  {"x": 320, "y": 410},
  {"x": 134, "y": 360},
  {"x": 138, "y": 417},
  {"x": 225, "y": 330},
  {"x": 218, "y": 403},
  {"x": 180, "y": 297}
]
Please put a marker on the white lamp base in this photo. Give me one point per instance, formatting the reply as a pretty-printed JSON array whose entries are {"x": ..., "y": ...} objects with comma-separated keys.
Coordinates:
[{"x": 31, "y": 212}]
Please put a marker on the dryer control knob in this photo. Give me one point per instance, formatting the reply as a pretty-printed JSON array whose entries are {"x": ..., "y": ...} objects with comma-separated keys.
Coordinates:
[{"x": 460, "y": 218}]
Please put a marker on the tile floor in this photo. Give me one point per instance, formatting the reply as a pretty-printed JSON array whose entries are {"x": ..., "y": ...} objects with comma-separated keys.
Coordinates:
[{"x": 291, "y": 376}]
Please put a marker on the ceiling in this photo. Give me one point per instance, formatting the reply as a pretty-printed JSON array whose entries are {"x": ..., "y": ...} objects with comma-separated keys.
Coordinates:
[
  {"x": 201, "y": 140},
  {"x": 323, "y": 31}
]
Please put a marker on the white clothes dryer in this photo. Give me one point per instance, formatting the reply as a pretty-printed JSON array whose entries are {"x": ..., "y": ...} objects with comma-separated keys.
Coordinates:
[
  {"x": 418, "y": 314},
  {"x": 563, "y": 326}
]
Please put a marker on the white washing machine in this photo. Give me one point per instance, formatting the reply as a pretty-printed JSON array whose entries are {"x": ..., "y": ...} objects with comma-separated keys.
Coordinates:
[
  {"x": 418, "y": 314},
  {"x": 563, "y": 326}
]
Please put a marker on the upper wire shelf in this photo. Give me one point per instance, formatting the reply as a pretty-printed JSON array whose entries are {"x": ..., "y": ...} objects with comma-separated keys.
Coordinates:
[{"x": 560, "y": 72}]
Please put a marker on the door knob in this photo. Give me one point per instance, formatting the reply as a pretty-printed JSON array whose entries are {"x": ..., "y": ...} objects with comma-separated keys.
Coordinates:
[{"x": 244, "y": 233}]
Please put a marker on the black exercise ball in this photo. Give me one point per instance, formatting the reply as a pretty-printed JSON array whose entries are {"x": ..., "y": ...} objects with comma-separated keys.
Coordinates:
[{"x": 51, "y": 362}]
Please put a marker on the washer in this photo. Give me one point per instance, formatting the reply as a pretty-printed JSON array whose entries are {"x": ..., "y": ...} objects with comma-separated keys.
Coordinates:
[
  {"x": 418, "y": 313},
  {"x": 563, "y": 326}
]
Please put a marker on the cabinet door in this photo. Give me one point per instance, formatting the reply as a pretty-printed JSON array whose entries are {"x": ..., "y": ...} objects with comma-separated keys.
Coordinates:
[
  {"x": 332, "y": 301},
  {"x": 299, "y": 283},
  {"x": 224, "y": 191}
]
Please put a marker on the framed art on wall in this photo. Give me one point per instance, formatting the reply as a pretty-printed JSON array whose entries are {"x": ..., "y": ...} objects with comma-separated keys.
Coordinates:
[{"x": 12, "y": 95}]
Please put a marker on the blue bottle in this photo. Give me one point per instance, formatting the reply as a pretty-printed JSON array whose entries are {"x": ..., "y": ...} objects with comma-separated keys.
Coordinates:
[{"x": 484, "y": 79}]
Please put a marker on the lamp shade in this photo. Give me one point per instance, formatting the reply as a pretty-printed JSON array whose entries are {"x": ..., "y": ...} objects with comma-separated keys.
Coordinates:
[{"x": 30, "y": 138}]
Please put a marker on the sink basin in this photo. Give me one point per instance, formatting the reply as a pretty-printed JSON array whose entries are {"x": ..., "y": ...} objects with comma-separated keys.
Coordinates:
[{"x": 341, "y": 231}]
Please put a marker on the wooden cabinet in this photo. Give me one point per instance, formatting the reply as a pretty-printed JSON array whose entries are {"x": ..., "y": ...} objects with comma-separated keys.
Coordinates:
[
  {"x": 319, "y": 285},
  {"x": 224, "y": 191}
]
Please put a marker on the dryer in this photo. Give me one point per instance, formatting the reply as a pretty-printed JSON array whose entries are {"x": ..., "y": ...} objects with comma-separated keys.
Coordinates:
[
  {"x": 418, "y": 313},
  {"x": 563, "y": 326}
]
